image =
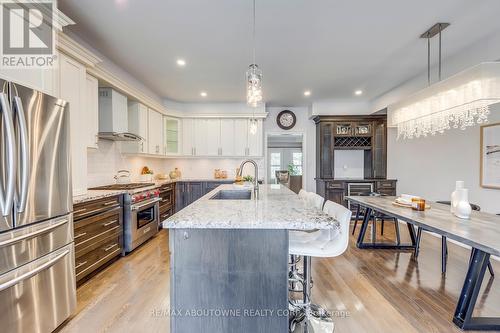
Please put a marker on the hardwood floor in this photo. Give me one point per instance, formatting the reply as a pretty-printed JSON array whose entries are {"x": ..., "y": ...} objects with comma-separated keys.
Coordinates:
[{"x": 368, "y": 290}]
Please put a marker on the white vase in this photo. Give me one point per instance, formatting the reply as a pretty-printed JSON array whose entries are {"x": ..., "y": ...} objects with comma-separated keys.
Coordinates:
[
  {"x": 463, "y": 208},
  {"x": 459, "y": 184}
]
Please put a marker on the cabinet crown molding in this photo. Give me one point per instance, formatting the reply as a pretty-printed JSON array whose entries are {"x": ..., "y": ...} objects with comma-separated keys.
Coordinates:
[{"x": 70, "y": 47}]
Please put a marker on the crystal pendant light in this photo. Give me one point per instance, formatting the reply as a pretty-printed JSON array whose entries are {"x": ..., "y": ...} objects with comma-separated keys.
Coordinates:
[
  {"x": 254, "y": 84},
  {"x": 460, "y": 101}
]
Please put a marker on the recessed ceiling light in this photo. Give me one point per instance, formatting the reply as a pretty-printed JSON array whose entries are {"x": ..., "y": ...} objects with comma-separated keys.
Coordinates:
[
  {"x": 203, "y": 94},
  {"x": 358, "y": 92},
  {"x": 181, "y": 62},
  {"x": 307, "y": 93}
]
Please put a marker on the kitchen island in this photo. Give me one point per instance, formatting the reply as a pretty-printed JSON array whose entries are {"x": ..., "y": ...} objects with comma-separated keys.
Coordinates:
[{"x": 229, "y": 259}]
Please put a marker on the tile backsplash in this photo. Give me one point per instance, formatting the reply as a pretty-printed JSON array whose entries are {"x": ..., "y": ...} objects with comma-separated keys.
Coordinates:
[
  {"x": 349, "y": 163},
  {"x": 103, "y": 163}
]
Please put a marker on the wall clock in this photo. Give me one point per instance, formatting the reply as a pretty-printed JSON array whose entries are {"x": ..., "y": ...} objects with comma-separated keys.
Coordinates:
[{"x": 286, "y": 119}]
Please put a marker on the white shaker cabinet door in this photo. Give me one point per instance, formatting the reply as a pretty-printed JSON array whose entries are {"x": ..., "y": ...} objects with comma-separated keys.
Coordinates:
[
  {"x": 240, "y": 137},
  {"x": 227, "y": 136},
  {"x": 187, "y": 137},
  {"x": 155, "y": 132},
  {"x": 73, "y": 90},
  {"x": 207, "y": 137}
]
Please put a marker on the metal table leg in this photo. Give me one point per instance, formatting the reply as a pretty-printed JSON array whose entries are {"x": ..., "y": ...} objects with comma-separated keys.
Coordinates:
[
  {"x": 373, "y": 245},
  {"x": 467, "y": 300}
]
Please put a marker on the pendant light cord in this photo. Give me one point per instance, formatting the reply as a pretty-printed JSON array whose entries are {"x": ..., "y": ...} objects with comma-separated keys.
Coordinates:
[{"x": 253, "y": 32}]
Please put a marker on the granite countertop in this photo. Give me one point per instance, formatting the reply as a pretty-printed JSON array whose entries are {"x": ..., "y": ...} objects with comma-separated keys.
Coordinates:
[
  {"x": 96, "y": 194},
  {"x": 99, "y": 194},
  {"x": 277, "y": 208}
]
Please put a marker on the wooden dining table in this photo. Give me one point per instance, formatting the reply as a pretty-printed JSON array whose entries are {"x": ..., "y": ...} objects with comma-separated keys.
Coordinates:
[{"x": 481, "y": 232}]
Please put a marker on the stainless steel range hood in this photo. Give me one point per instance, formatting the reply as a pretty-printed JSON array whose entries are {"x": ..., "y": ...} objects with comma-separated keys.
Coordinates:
[
  {"x": 113, "y": 117},
  {"x": 115, "y": 136}
]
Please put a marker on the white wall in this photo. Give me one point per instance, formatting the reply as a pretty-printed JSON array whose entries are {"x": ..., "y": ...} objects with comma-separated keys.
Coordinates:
[
  {"x": 212, "y": 108},
  {"x": 340, "y": 107},
  {"x": 304, "y": 126},
  {"x": 429, "y": 167}
]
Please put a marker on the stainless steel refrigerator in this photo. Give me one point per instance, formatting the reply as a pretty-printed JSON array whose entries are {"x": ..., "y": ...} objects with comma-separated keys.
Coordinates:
[{"x": 37, "y": 275}]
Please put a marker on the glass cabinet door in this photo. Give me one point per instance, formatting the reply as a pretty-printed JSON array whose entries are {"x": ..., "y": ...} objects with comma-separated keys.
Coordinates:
[{"x": 171, "y": 136}]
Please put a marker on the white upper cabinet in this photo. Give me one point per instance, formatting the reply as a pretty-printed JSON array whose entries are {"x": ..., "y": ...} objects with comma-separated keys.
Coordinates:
[
  {"x": 92, "y": 110},
  {"x": 187, "y": 137},
  {"x": 227, "y": 137},
  {"x": 73, "y": 89},
  {"x": 155, "y": 133},
  {"x": 255, "y": 141},
  {"x": 138, "y": 125},
  {"x": 240, "y": 137},
  {"x": 207, "y": 137},
  {"x": 171, "y": 135}
]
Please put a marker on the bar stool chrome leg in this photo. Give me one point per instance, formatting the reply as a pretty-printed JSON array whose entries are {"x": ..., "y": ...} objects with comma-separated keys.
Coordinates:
[{"x": 307, "y": 317}]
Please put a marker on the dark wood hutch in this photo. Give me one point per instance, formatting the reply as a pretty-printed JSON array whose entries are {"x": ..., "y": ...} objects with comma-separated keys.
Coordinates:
[{"x": 367, "y": 133}]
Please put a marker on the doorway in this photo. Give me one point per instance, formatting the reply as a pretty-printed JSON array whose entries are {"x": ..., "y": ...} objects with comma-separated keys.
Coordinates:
[{"x": 285, "y": 154}]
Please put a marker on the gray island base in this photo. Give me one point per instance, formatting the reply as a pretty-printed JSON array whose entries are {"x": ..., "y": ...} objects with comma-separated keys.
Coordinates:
[
  {"x": 229, "y": 280},
  {"x": 229, "y": 260}
]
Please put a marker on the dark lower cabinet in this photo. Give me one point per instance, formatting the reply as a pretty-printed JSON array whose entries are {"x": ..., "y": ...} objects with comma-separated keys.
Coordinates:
[
  {"x": 98, "y": 234},
  {"x": 337, "y": 190},
  {"x": 187, "y": 192}
]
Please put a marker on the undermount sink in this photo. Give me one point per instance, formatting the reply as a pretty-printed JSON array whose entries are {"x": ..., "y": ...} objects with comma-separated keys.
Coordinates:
[{"x": 232, "y": 195}]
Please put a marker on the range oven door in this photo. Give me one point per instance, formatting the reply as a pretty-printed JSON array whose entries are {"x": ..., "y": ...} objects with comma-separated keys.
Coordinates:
[{"x": 145, "y": 213}]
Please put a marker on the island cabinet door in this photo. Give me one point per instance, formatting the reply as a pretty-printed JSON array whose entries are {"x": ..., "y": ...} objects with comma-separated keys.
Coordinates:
[
  {"x": 195, "y": 191},
  {"x": 216, "y": 269},
  {"x": 180, "y": 193}
]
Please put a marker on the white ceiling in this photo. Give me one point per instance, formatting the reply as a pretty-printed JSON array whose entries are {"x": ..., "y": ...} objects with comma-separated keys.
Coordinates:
[{"x": 329, "y": 47}]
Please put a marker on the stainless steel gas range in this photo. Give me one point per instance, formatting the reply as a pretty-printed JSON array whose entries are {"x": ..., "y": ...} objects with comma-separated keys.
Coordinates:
[{"x": 140, "y": 212}]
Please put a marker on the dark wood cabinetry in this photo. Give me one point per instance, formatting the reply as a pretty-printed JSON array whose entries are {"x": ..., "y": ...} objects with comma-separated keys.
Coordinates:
[
  {"x": 336, "y": 190},
  {"x": 367, "y": 133},
  {"x": 187, "y": 192},
  {"x": 98, "y": 234},
  {"x": 167, "y": 201}
]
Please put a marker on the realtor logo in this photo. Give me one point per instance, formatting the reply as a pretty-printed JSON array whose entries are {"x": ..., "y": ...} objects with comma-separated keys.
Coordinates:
[{"x": 27, "y": 34}]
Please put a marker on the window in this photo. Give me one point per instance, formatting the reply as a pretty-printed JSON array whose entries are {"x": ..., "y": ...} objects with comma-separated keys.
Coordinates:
[
  {"x": 297, "y": 163},
  {"x": 275, "y": 165}
]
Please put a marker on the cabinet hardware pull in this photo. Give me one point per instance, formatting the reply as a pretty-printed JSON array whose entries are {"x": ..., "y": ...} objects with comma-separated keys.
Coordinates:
[
  {"x": 80, "y": 235},
  {"x": 109, "y": 203},
  {"x": 80, "y": 265},
  {"x": 110, "y": 247},
  {"x": 109, "y": 223},
  {"x": 80, "y": 211}
]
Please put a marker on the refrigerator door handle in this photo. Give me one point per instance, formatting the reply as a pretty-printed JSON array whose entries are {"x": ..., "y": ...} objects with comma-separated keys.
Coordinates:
[
  {"x": 7, "y": 198},
  {"x": 33, "y": 272},
  {"x": 33, "y": 234},
  {"x": 23, "y": 127}
]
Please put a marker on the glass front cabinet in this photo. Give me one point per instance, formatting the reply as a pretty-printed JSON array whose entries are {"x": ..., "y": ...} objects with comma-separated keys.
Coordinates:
[{"x": 171, "y": 136}]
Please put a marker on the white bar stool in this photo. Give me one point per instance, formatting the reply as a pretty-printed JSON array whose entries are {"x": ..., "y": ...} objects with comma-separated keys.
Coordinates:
[
  {"x": 315, "y": 200},
  {"x": 328, "y": 243}
]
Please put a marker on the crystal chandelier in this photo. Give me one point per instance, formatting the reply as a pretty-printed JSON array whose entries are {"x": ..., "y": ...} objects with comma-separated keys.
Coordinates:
[
  {"x": 460, "y": 101},
  {"x": 254, "y": 84}
]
